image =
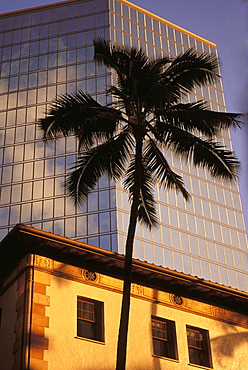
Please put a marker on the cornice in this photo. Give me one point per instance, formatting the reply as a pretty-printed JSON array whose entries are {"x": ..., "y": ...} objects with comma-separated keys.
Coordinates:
[{"x": 23, "y": 240}]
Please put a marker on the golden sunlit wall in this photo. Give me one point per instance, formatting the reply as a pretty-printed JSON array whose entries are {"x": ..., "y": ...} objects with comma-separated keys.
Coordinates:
[
  {"x": 48, "y": 51},
  {"x": 40, "y": 312}
]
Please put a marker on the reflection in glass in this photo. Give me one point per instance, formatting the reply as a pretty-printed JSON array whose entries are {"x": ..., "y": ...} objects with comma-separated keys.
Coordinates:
[
  {"x": 211, "y": 251},
  {"x": 3, "y": 101},
  {"x": 9, "y": 136},
  {"x": 15, "y": 214},
  {"x": 38, "y": 189},
  {"x": 104, "y": 222},
  {"x": 5, "y": 195},
  {"x": 196, "y": 267},
  {"x": 59, "y": 189},
  {"x": 16, "y": 193},
  {"x": 28, "y": 171},
  {"x": 48, "y": 209},
  {"x": 214, "y": 273},
  {"x": 36, "y": 211},
  {"x": 93, "y": 224},
  {"x": 158, "y": 252},
  {"x": 168, "y": 258},
  {"x": 17, "y": 172},
  {"x": 8, "y": 155},
  {"x": 38, "y": 169},
  {"x": 205, "y": 270},
  {"x": 81, "y": 225},
  {"x": 6, "y": 53},
  {"x": 26, "y": 212},
  {"x": 48, "y": 188},
  {"x": 105, "y": 242},
  {"x": 241, "y": 282},
  {"x": 103, "y": 199},
  {"x": 138, "y": 249},
  {"x": 4, "y": 215}
]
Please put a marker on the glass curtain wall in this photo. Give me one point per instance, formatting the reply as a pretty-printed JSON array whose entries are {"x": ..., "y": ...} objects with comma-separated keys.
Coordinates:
[
  {"x": 206, "y": 236},
  {"x": 48, "y": 51}
]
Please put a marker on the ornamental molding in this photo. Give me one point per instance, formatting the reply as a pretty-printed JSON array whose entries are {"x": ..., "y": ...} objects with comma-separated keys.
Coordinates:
[{"x": 43, "y": 262}]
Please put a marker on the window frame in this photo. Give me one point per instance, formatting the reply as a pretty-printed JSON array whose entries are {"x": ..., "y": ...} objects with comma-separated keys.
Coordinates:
[
  {"x": 90, "y": 327},
  {"x": 164, "y": 347},
  {"x": 202, "y": 352}
]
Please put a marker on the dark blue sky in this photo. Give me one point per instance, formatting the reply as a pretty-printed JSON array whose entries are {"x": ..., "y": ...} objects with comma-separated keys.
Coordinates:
[{"x": 224, "y": 22}]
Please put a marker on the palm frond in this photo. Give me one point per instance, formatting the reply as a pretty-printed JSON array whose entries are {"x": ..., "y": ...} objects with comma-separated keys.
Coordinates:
[
  {"x": 161, "y": 169},
  {"x": 147, "y": 206},
  {"x": 209, "y": 154},
  {"x": 191, "y": 69},
  {"x": 109, "y": 158},
  {"x": 196, "y": 116},
  {"x": 81, "y": 115}
]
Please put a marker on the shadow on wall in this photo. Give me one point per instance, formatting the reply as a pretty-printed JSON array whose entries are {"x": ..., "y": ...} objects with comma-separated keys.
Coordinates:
[
  {"x": 156, "y": 361},
  {"x": 224, "y": 348}
]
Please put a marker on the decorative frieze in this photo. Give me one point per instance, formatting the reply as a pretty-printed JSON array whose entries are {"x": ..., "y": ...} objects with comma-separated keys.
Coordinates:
[
  {"x": 43, "y": 262},
  {"x": 113, "y": 284}
]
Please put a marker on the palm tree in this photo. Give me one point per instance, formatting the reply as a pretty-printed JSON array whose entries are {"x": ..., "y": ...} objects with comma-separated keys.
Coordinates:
[{"x": 130, "y": 136}]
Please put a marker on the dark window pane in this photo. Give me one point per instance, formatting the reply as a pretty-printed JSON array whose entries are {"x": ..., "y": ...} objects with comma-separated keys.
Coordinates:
[
  {"x": 13, "y": 83},
  {"x": 34, "y": 48},
  {"x": 26, "y": 34},
  {"x": 7, "y": 38},
  {"x": 72, "y": 40},
  {"x": 18, "y": 21},
  {"x": 53, "y": 44},
  {"x": 33, "y": 64},
  {"x": 71, "y": 56},
  {"x": 43, "y": 62},
  {"x": 35, "y": 18},
  {"x": 53, "y": 29},
  {"x": 198, "y": 346},
  {"x": 43, "y": 46},
  {"x": 27, "y": 19},
  {"x": 164, "y": 338},
  {"x": 89, "y": 7},
  {"x": 24, "y": 65},
  {"x": 72, "y": 25},
  {"x": 62, "y": 27},
  {"x": 44, "y": 31},
  {"x": 149, "y": 22},
  {"x": 14, "y": 67},
  {"x": 90, "y": 319},
  {"x": 62, "y": 12},
  {"x": 72, "y": 11},
  {"x": 17, "y": 36},
  {"x": 25, "y": 50},
  {"x": 6, "y": 53},
  {"x": 53, "y": 14},
  {"x": 62, "y": 42},
  {"x": 16, "y": 51}
]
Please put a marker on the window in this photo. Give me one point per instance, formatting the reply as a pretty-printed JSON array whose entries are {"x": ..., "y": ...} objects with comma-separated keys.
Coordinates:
[
  {"x": 164, "y": 338},
  {"x": 198, "y": 345},
  {"x": 90, "y": 319}
]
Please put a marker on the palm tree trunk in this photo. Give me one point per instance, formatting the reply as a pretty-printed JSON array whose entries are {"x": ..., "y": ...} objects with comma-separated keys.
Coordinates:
[{"x": 123, "y": 328}]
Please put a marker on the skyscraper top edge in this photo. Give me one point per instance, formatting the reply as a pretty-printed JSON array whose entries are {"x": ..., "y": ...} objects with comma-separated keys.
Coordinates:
[
  {"x": 124, "y": 2},
  {"x": 168, "y": 22}
]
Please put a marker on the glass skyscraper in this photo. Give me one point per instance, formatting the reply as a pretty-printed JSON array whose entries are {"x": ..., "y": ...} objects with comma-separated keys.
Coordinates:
[{"x": 48, "y": 51}]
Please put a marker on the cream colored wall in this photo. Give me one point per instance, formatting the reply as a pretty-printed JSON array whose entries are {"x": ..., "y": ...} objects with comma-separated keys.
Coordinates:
[
  {"x": 7, "y": 329},
  {"x": 66, "y": 351},
  {"x": 228, "y": 343}
]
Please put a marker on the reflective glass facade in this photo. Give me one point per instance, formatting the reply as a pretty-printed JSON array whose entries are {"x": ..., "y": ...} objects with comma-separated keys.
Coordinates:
[{"x": 48, "y": 51}]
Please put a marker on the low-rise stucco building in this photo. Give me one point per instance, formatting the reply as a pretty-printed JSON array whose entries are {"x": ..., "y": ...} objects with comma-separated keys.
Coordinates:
[{"x": 60, "y": 304}]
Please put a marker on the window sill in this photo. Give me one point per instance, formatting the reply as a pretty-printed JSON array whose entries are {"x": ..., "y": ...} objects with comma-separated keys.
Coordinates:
[
  {"x": 90, "y": 340},
  {"x": 166, "y": 358},
  {"x": 200, "y": 366}
]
